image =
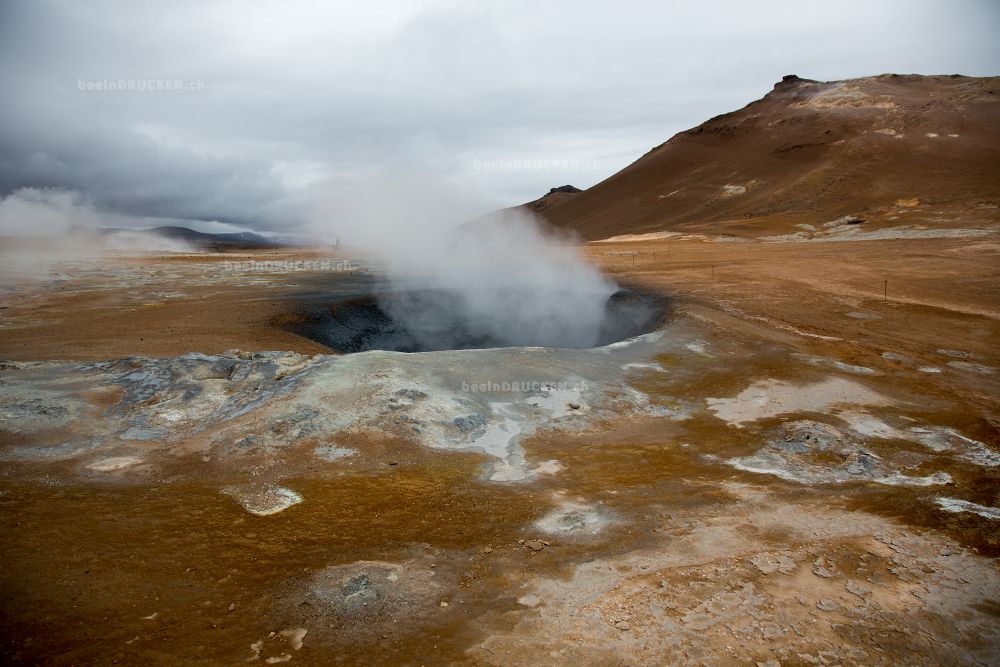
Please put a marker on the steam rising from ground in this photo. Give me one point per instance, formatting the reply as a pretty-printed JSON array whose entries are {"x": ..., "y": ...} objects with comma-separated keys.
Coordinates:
[
  {"x": 43, "y": 229},
  {"x": 500, "y": 278}
]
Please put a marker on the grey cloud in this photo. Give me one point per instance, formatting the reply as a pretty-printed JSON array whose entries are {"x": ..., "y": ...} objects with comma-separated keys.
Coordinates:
[{"x": 305, "y": 100}]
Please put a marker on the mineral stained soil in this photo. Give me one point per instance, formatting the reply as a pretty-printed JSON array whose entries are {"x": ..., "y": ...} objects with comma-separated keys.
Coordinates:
[{"x": 799, "y": 467}]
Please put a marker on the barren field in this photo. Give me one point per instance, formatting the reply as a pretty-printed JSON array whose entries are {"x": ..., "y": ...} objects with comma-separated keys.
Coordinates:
[{"x": 800, "y": 465}]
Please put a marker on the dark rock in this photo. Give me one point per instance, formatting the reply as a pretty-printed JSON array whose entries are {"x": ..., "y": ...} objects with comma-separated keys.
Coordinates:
[
  {"x": 469, "y": 423},
  {"x": 791, "y": 81}
]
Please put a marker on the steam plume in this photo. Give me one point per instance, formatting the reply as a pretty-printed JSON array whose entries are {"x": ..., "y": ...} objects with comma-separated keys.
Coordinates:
[{"x": 500, "y": 279}]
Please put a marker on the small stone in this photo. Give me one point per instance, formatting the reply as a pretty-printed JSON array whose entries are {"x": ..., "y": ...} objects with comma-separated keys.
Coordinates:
[
  {"x": 827, "y": 605},
  {"x": 824, "y": 568},
  {"x": 488, "y": 550},
  {"x": 856, "y": 588},
  {"x": 232, "y": 607},
  {"x": 535, "y": 545},
  {"x": 785, "y": 564},
  {"x": 443, "y": 603},
  {"x": 573, "y": 406},
  {"x": 623, "y": 625},
  {"x": 765, "y": 562}
]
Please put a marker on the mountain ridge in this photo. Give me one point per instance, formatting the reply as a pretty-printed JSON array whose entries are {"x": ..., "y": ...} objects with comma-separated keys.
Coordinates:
[{"x": 808, "y": 151}]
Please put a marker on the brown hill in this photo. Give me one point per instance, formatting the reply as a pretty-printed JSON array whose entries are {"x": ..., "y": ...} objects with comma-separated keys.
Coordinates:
[{"x": 808, "y": 151}]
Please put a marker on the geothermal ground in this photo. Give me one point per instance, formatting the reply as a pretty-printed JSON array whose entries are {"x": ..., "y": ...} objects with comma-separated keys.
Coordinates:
[{"x": 797, "y": 464}]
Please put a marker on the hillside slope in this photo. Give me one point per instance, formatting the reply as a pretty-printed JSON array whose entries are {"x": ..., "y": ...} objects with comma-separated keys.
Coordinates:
[{"x": 890, "y": 148}]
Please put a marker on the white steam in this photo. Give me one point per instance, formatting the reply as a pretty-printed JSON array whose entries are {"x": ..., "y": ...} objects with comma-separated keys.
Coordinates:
[
  {"x": 500, "y": 279},
  {"x": 42, "y": 230},
  {"x": 34, "y": 213}
]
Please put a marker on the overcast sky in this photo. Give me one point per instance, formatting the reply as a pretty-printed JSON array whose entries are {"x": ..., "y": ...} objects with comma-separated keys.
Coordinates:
[{"x": 285, "y": 103}]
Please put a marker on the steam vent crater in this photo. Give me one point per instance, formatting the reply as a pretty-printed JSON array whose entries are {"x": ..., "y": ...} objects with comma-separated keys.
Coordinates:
[{"x": 435, "y": 319}]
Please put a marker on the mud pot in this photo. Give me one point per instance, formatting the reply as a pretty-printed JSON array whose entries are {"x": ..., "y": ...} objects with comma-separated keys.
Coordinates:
[{"x": 432, "y": 320}]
